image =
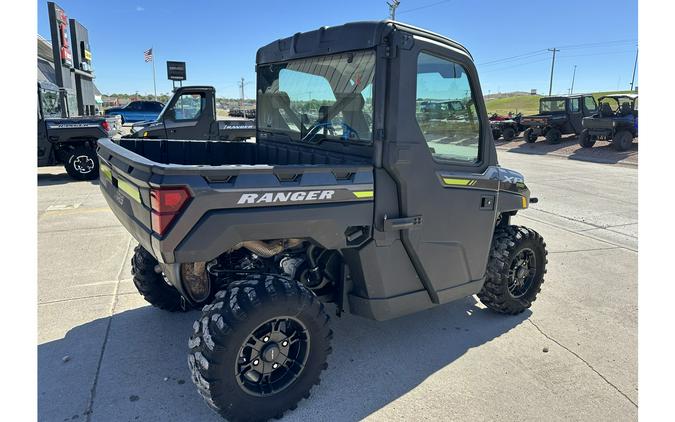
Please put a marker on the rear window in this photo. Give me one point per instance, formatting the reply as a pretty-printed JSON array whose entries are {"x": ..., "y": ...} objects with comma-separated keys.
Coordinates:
[{"x": 552, "y": 105}]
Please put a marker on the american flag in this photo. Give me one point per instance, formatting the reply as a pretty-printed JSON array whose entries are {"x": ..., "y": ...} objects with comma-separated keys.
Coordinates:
[{"x": 148, "y": 55}]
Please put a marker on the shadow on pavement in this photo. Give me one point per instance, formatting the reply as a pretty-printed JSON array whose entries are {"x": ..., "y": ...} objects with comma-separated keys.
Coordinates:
[
  {"x": 51, "y": 179},
  {"x": 540, "y": 147},
  {"x": 143, "y": 374}
]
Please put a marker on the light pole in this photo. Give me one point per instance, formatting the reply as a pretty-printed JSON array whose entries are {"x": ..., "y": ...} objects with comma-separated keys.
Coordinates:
[
  {"x": 392, "y": 8},
  {"x": 632, "y": 81}
]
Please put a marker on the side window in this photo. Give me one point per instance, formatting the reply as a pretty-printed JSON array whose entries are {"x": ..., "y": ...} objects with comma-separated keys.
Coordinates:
[
  {"x": 575, "y": 105},
  {"x": 589, "y": 103},
  {"x": 445, "y": 110},
  {"x": 189, "y": 106}
]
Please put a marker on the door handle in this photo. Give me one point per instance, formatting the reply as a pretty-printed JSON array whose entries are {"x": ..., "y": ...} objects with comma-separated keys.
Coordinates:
[{"x": 394, "y": 224}]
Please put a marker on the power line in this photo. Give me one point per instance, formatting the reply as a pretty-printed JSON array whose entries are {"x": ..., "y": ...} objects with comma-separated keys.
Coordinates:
[
  {"x": 423, "y": 7},
  {"x": 515, "y": 65},
  {"x": 514, "y": 58}
]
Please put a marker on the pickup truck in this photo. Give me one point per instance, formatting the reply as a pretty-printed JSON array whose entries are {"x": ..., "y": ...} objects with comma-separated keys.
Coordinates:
[
  {"x": 137, "y": 111},
  {"x": 70, "y": 141},
  {"x": 191, "y": 114},
  {"x": 350, "y": 195},
  {"x": 558, "y": 116}
]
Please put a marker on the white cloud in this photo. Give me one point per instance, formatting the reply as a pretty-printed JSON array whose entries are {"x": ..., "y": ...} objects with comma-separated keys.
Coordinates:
[{"x": 140, "y": 8}]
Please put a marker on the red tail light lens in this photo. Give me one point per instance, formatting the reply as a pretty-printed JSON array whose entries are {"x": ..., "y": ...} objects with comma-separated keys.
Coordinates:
[
  {"x": 105, "y": 125},
  {"x": 166, "y": 204}
]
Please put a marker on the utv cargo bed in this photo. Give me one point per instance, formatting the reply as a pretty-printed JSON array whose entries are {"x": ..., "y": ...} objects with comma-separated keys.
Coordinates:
[{"x": 226, "y": 185}]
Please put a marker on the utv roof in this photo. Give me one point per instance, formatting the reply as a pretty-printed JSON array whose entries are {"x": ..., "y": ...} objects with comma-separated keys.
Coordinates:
[
  {"x": 562, "y": 97},
  {"x": 631, "y": 96},
  {"x": 348, "y": 37}
]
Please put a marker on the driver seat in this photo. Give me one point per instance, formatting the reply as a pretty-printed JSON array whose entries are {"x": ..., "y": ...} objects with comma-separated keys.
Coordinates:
[
  {"x": 626, "y": 109},
  {"x": 606, "y": 110}
]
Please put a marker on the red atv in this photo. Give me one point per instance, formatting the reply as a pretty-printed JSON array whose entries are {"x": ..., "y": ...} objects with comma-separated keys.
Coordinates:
[{"x": 507, "y": 126}]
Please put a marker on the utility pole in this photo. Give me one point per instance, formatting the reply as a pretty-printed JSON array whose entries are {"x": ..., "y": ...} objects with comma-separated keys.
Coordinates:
[
  {"x": 573, "y": 75},
  {"x": 550, "y": 86},
  {"x": 241, "y": 92},
  {"x": 632, "y": 81},
  {"x": 392, "y": 8}
]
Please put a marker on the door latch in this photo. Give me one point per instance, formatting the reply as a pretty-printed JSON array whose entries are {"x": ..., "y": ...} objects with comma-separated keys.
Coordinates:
[{"x": 487, "y": 202}]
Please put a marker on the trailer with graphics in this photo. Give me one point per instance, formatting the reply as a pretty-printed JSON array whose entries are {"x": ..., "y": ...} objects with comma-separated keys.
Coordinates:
[{"x": 349, "y": 196}]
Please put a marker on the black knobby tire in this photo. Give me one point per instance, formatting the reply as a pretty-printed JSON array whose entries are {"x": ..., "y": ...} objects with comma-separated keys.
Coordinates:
[
  {"x": 218, "y": 343},
  {"x": 151, "y": 284},
  {"x": 585, "y": 140},
  {"x": 553, "y": 136},
  {"x": 509, "y": 243},
  {"x": 508, "y": 134},
  {"x": 529, "y": 136},
  {"x": 496, "y": 133},
  {"x": 82, "y": 163},
  {"x": 622, "y": 140}
]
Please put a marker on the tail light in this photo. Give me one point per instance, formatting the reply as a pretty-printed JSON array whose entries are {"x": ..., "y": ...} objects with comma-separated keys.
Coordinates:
[
  {"x": 105, "y": 125},
  {"x": 166, "y": 204}
]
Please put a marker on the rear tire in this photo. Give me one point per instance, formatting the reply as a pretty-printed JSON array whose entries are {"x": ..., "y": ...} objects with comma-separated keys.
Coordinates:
[
  {"x": 585, "y": 139},
  {"x": 515, "y": 270},
  {"x": 509, "y": 134},
  {"x": 622, "y": 140},
  {"x": 151, "y": 284},
  {"x": 82, "y": 163},
  {"x": 553, "y": 136},
  {"x": 496, "y": 134},
  {"x": 529, "y": 136},
  {"x": 231, "y": 357}
]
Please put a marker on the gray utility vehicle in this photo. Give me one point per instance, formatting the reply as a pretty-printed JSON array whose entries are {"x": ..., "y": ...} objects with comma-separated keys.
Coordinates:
[
  {"x": 191, "y": 114},
  {"x": 558, "y": 116},
  {"x": 382, "y": 219},
  {"x": 615, "y": 121},
  {"x": 70, "y": 141}
]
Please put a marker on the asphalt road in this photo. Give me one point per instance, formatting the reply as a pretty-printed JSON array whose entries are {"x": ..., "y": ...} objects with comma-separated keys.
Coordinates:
[{"x": 105, "y": 355}]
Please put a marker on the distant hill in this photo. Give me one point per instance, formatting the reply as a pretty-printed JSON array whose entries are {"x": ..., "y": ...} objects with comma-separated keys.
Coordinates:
[{"x": 525, "y": 103}]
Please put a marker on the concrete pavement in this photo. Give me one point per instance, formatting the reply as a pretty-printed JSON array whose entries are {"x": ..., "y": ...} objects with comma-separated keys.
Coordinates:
[{"x": 104, "y": 354}]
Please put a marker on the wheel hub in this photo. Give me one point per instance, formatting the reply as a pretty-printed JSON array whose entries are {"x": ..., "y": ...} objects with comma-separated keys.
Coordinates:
[
  {"x": 273, "y": 356},
  {"x": 83, "y": 164},
  {"x": 522, "y": 273}
]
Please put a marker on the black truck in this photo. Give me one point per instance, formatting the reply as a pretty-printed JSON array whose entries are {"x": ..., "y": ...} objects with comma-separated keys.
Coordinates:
[
  {"x": 616, "y": 121},
  {"x": 558, "y": 116},
  {"x": 191, "y": 114},
  {"x": 70, "y": 141},
  {"x": 354, "y": 198}
]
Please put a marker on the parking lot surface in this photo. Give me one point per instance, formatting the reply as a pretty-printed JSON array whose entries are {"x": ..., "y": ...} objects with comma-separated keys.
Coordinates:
[{"x": 104, "y": 354}]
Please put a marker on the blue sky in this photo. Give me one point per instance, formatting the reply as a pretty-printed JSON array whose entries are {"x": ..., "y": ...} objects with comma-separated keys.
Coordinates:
[{"x": 219, "y": 39}]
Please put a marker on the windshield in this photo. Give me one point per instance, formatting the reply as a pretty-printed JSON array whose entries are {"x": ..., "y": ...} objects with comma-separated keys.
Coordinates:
[
  {"x": 51, "y": 106},
  {"x": 552, "y": 105},
  {"x": 327, "y": 97}
]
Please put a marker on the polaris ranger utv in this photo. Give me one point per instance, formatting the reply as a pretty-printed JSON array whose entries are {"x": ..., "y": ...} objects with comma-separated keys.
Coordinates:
[
  {"x": 350, "y": 196},
  {"x": 558, "y": 116},
  {"x": 191, "y": 114},
  {"x": 618, "y": 124},
  {"x": 70, "y": 141}
]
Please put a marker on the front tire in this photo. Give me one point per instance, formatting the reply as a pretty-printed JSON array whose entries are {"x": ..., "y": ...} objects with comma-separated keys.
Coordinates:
[
  {"x": 151, "y": 284},
  {"x": 553, "y": 136},
  {"x": 585, "y": 140},
  {"x": 82, "y": 163},
  {"x": 529, "y": 135},
  {"x": 509, "y": 134},
  {"x": 259, "y": 348},
  {"x": 622, "y": 140},
  {"x": 515, "y": 270}
]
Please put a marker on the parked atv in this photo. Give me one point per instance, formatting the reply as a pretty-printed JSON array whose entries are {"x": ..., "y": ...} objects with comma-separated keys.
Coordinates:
[
  {"x": 507, "y": 127},
  {"x": 360, "y": 201},
  {"x": 558, "y": 116},
  {"x": 616, "y": 121}
]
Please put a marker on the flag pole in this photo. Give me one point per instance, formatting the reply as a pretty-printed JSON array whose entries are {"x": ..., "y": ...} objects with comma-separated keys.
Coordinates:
[{"x": 154, "y": 82}]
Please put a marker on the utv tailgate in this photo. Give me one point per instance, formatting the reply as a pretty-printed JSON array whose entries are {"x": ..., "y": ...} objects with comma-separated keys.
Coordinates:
[{"x": 231, "y": 203}]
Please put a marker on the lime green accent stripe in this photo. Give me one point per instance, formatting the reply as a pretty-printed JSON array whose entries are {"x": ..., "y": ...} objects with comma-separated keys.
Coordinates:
[
  {"x": 458, "y": 182},
  {"x": 105, "y": 171},
  {"x": 364, "y": 194},
  {"x": 129, "y": 189}
]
